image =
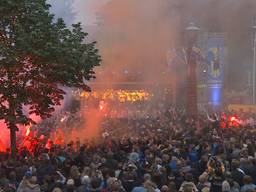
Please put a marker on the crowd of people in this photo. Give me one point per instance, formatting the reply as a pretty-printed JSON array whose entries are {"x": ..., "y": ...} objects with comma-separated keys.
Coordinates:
[{"x": 164, "y": 151}]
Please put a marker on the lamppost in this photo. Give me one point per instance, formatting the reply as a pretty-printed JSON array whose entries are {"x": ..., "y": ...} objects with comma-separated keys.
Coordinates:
[
  {"x": 254, "y": 64},
  {"x": 191, "y": 101}
]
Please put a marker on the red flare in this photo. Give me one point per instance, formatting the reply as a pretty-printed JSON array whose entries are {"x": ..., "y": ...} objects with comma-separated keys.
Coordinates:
[
  {"x": 2, "y": 146},
  {"x": 233, "y": 118},
  {"x": 27, "y": 131}
]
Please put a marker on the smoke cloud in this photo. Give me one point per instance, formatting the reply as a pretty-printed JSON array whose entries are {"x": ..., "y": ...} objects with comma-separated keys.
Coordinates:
[{"x": 134, "y": 35}]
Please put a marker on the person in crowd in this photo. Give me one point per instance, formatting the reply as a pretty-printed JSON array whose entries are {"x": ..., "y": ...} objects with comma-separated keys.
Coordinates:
[
  {"x": 29, "y": 184},
  {"x": 158, "y": 150},
  {"x": 188, "y": 184},
  {"x": 248, "y": 185}
]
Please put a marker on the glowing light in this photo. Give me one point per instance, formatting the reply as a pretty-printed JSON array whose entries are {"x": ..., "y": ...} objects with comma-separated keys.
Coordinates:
[
  {"x": 41, "y": 137},
  {"x": 116, "y": 95},
  {"x": 233, "y": 119},
  {"x": 48, "y": 144},
  {"x": 28, "y": 131},
  {"x": 62, "y": 119},
  {"x": 215, "y": 94}
]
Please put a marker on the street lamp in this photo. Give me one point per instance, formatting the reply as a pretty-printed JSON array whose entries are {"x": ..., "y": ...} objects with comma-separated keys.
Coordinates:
[
  {"x": 191, "y": 101},
  {"x": 254, "y": 64}
]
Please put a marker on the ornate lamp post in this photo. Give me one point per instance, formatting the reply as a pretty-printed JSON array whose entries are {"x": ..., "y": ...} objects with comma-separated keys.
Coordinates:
[{"x": 191, "y": 96}]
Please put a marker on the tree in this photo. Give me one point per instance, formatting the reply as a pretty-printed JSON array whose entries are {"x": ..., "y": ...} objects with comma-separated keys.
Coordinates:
[{"x": 37, "y": 57}]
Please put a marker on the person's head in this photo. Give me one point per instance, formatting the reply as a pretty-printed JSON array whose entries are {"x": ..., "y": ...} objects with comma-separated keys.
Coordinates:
[
  {"x": 164, "y": 188},
  {"x": 95, "y": 183},
  {"x": 28, "y": 175},
  {"x": 131, "y": 167},
  {"x": 149, "y": 186},
  {"x": 56, "y": 189},
  {"x": 204, "y": 158},
  {"x": 203, "y": 178},
  {"x": 158, "y": 160},
  {"x": 225, "y": 187},
  {"x": 189, "y": 177},
  {"x": 70, "y": 185},
  {"x": 33, "y": 180},
  {"x": 70, "y": 182},
  {"x": 247, "y": 179},
  {"x": 235, "y": 164},
  {"x": 86, "y": 171},
  {"x": 147, "y": 177},
  {"x": 114, "y": 184},
  {"x": 74, "y": 172},
  {"x": 12, "y": 175},
  {"x": 44, "y": 158},
  {"x": 85, "y": 180}
]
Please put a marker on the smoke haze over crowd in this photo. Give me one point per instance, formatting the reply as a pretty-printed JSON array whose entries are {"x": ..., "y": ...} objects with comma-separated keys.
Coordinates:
[{"x": 134, "y": 35}]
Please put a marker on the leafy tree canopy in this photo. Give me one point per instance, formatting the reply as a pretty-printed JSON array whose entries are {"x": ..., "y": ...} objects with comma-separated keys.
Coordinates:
[{"x": 37, "y": 56}]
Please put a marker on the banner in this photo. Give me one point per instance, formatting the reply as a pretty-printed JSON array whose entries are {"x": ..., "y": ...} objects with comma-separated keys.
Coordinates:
[{"x": 215, "y": 60}]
